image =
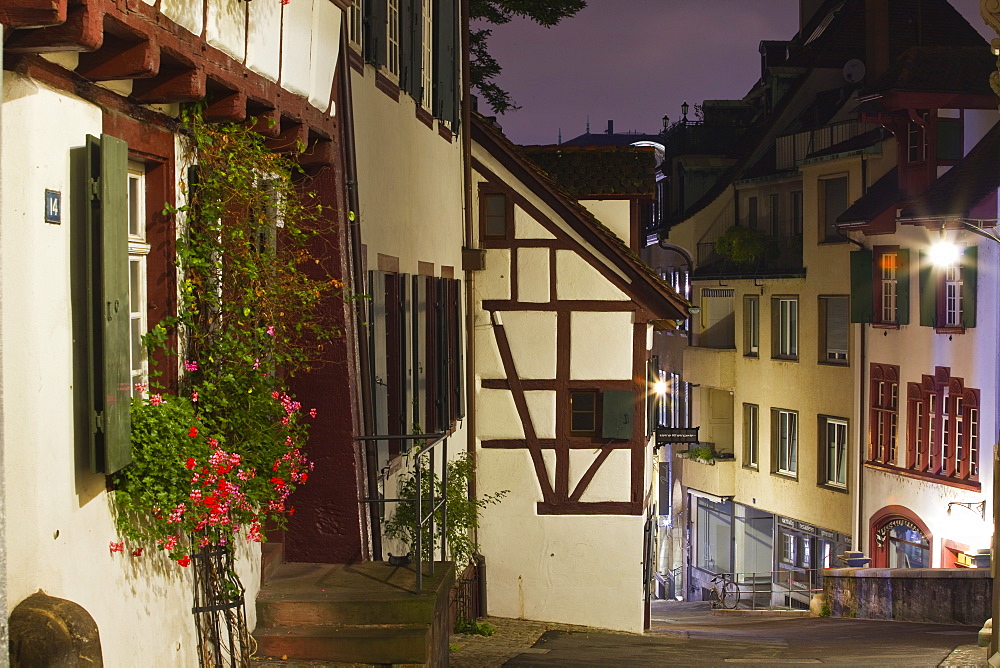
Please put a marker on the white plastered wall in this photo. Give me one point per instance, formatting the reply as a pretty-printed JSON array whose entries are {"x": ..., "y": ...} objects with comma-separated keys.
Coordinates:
[
  {"x": 971, "y": 356},
  {"x": 615, "y": 214},
  {"x": 582, "y": 569},
  {"x": 296, "y": 44},
  {"x": 60, "y": 527}
]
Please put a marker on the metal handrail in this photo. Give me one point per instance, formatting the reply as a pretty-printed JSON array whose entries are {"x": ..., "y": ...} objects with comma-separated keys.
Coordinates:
[
  {"x": 769, "y": 583},
  {"x": 436, "y": 502}
]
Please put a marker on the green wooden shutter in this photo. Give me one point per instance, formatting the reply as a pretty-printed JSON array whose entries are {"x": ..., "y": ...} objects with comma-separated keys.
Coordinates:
[
  {"x": 903, "y": 286},
  {"x": 376, "y": 18},
  {"x": 970, "y": 275},
  {"x": 410, "y": 47},
  {"x": 928, "y": 292},
  {"x": 861, "y": 285},
  {"x": 107, "y": 236},
  {"x": 446, "y": 61},
  {"x": 617, "y": 414}
]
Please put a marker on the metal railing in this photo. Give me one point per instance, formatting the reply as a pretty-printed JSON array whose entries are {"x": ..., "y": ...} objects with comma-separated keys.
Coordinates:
[
  {"x": 435, "y": 503},
  {"x": 783, "y": 589}
]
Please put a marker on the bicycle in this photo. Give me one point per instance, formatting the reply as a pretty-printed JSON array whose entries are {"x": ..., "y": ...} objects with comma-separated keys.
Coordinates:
[{"x": 727, "y": 594}]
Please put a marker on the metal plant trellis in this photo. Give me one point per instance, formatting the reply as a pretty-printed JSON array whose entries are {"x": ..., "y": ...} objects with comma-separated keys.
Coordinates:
[{"x": 219, "y": 609}]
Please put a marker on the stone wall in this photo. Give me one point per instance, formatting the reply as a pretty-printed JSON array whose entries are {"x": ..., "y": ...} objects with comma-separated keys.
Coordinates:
[{"x": 942, "y": 595}]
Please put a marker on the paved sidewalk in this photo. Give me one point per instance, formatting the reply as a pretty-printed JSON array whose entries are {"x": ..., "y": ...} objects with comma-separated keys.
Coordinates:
[{"x": 685, "y": 631}]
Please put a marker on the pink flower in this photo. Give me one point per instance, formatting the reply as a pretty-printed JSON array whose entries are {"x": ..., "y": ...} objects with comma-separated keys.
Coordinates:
[
  {"x": 117, "y": 547},
  {"x": 312, "y": 412},
  {"x": 141, "y": 388},
  {"x": 270, "y": 328},
  {"x": 194, "y": 396},
  {"x": 190, "y": 365},
  {"x": 156, "y": 400},
  {"x": 256, "y": 364}
]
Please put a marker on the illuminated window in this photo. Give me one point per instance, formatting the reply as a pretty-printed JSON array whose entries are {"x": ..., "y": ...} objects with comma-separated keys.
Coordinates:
[{"x": 943, "y": 428}]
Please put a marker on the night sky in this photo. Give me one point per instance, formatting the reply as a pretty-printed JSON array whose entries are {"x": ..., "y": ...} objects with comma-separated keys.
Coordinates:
[{"x": 635, "y": 60}]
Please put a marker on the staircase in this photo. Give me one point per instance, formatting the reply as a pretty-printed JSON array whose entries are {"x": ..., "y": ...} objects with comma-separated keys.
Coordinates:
[{"x": 364, "y": 613}]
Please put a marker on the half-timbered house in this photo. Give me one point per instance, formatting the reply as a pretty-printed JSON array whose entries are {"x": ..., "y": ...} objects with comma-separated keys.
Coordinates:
[{"x": 563, "y": 320}]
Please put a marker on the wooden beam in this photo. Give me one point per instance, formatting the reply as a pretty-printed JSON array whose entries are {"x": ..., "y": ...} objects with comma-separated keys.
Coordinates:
[
  {"x": 119, "y": 59},
  {"x": 175, "y": 85},
  {"x": 32, "y": 13},
  {"x": 83, "y": 30},
  {"x": 265, "y": 122},
  {"x": 231, "y": 108},
  {"x": 321, "y": 154},
  {"x": 292, "y": 138}
]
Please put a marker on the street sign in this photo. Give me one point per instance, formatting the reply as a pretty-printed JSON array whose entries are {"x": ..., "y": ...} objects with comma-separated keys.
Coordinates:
[{"x": 665, "y": 435}]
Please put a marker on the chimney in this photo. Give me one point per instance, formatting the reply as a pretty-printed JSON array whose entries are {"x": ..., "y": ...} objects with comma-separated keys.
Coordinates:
[
  {"x": 807, "y": 9},
  {"x": 876, "y": 39},
  {"x": 611, "y": 127}
]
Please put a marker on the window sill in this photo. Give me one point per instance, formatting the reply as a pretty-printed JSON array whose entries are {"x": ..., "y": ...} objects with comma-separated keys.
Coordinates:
[
  {"x": 424, "y": 116},
  {"x": 387, "y": 86},
  {"x": 445, "y": 132},
  {"x": 780, "y": 358},
  {"x": 838, "y": 363},
  {"x": 794, "y": 477},
  {"x": 971, "y": 485},
  {"x": 355, "y": 59},
  {"x": 752, "y": 356},
  {"x": 842, "y": 489},
  {"x": 748, "y": 467},
  {"x": 885, "y": 325},
  {"x": 836, "y": 241},
  {"x": 949, "y": 330}
]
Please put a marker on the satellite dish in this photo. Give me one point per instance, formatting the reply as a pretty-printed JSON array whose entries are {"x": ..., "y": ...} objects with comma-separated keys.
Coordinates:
[{"x": 854, "y": 71}]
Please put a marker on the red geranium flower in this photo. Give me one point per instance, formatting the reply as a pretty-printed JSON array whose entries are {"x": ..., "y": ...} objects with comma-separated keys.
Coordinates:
[
  {"x": 193, "y": 432},
  {"x": 184, "y": 561},
  {"x": 190, "y": 463}
]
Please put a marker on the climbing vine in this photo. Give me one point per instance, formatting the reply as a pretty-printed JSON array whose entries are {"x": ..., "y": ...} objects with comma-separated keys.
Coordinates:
[{"x": 220, "y": 454}]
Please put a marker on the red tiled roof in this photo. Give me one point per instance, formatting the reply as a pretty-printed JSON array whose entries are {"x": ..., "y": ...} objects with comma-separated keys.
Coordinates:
[{"x": 595, "y": 171}]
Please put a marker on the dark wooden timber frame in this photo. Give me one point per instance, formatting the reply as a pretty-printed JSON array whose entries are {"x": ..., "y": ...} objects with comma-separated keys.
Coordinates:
[
  {"x": 644, "y": 295},
  {"x": 120, "y": 40}
]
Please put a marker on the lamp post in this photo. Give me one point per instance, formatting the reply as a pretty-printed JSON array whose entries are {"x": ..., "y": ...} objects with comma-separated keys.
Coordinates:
[{"x": 684, "y": 111}]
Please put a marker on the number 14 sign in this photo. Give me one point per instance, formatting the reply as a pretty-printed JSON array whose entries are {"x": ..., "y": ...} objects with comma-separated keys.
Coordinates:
[{"x": 53, "y": 207}]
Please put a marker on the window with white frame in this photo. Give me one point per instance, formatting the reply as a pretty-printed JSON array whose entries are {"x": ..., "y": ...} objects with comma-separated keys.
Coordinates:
[
  {"x": 834, "y": 440},
  {"x": 888, "y": 282},
  {"x": 355, "y": 24},
  {"x": 392, "y": 38},
  {"x": 785, "y": 317},
  {"x": 138, "y": 249},
  {"x": 751, "y": 415},
  {"x": 785, "y": 441},
  {"x": 834, "y": 327},
  {"x": 427, "y": 54},
  {"x": 751, "y": 325},
  {"x": 953, "y": 295}
]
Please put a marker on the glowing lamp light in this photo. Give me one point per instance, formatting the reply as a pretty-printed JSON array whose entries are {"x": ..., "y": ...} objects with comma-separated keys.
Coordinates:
[
  {"x": 660, "y": 387},
  {"x": 944, "y": 253}
]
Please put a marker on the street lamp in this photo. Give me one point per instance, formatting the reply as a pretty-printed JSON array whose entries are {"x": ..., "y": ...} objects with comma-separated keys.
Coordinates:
[
  {"x": 943, "y": 253},
  {"x": 684, "y": 110}
]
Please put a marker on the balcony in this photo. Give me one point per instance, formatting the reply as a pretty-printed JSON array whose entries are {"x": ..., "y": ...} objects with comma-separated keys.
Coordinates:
[
  {"x": 711, "y": 367},
  {"x": 743, "y": 252},
  {"x": 717, "y": 477}
]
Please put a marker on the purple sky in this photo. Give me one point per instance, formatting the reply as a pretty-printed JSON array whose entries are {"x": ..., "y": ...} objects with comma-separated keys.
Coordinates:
[{"x": 635, "y": 60}]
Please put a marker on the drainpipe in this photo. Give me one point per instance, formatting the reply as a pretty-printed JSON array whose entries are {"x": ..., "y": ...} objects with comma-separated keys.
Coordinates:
[
  {"x": 470, "y": 276},
  {"x": 4, "y": 631},
  {"x": 859, "y": 496},
  {"x": 357, "y": 269}
]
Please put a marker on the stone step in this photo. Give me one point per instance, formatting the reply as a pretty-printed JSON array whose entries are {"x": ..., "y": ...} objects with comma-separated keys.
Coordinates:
[
  {"x": 272, "y": 555},
  {"x": 387, "y": 644},
  {"x": 302, "y": 612}
]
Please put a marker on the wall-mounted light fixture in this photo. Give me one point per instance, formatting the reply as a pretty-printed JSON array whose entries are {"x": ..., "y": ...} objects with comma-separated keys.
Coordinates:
[{"x": 979, "y": 506}]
